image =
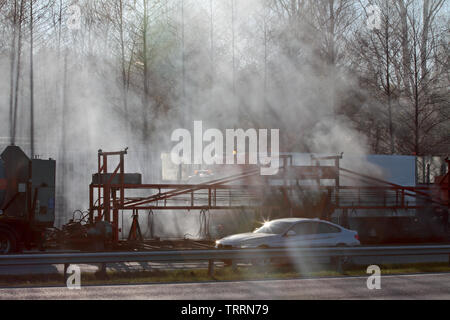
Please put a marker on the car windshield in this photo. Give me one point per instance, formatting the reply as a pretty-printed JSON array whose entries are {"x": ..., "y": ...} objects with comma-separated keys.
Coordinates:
[{"x": 274, "y": 227}]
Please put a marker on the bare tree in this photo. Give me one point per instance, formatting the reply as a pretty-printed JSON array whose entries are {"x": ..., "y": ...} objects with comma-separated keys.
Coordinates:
[
  {"x": 422, "y": 100},
  {"x": 17, "y": 70},
  {"x": 31, "y": 81},
  {"x": 374, "y": 52},
  {"x": 12, "y": 69}
]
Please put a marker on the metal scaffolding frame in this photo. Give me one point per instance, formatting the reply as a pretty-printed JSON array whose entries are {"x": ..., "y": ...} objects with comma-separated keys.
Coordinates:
[{"x": 223, "y": 193}]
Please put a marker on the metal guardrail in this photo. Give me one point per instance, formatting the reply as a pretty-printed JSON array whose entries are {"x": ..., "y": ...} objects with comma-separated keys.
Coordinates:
[
  {"x": 227, "y": 254},
  {"x": 338, "y": 253}
]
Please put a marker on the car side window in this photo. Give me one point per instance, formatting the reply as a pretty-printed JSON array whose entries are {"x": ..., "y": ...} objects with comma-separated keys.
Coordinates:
[
  {"x": 305, "y": 228},
  {"x": 327, "y": 228}
]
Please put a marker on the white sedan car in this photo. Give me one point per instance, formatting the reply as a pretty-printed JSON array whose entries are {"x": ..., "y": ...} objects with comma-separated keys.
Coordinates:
[{"x": 293, "y": 232}]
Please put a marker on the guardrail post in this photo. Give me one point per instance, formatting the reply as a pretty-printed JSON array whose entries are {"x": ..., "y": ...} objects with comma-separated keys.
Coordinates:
[
  {"x": 66, "y": 266},
  {"x": 211, "y": 268},
  {"x": 101, "y": 273},
  {"x": 234, "y": 265},
  {"x": 338, "y": 263}
]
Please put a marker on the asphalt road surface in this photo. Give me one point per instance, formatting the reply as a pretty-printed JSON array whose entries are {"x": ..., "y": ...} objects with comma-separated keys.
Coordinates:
[{"x": 418, "y": 286}]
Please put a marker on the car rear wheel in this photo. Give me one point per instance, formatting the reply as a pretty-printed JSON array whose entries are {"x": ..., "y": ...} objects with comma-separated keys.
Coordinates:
[{"x": 8, "y": 242}]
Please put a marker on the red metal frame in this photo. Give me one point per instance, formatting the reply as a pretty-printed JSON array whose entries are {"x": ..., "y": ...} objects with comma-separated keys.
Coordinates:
[
  {"x": 219, "y": 194},
  {"x": 108, "y": 191}
]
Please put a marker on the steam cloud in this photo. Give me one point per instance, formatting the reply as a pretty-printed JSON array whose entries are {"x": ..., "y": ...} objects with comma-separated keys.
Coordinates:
[{"x": 78, "y": 95}]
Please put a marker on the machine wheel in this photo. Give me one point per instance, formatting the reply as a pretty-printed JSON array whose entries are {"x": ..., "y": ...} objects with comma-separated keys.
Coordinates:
[{"x": 8, "y": 242}]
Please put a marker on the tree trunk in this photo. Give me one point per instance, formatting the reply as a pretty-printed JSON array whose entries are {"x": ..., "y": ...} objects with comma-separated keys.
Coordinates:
[
  {"x": 17, "y": 85},
  {"x": 406, "y": 57},
  {"x": 12, "y": 74},
  {"x": 124, "y": 71},
  {"x": 146, "y": 88},
  {"x": 31, "y": 83},
  {"x": 388, "y": 81}
]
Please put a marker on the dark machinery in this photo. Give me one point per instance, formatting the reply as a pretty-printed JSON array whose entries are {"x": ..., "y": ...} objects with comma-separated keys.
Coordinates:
[
  {"x": 27, "y": 208},
  {"x": 27, "y": 199}
]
